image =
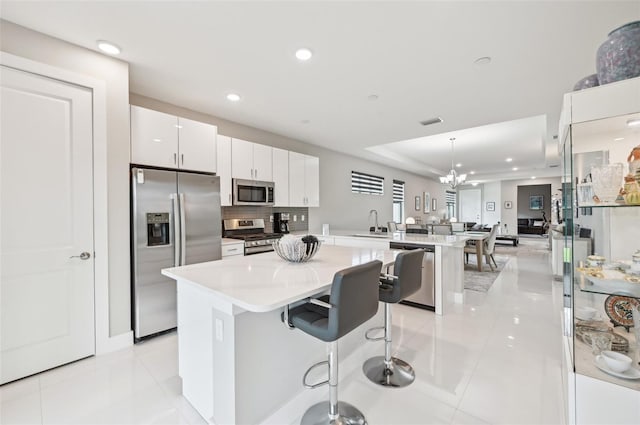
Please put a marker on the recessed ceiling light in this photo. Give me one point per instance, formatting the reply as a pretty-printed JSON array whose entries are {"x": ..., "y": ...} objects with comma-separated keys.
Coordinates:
[
  {"x": 472, "y": 172},
  {"x": 509, "y": 159},
  {"x": 157, "y": 140},
  {"x": 617, "y": 139},
  {"x": 304, "y": 54},
  {"x": 233, "y": 97},
  {"x": 108, "y": 47},
  {"x": 515, "y": 168},
  {"x": 485, "y": 60},
  {"x": 474, "y": 183},
  {"x": 635, "y": 122},
  {"x": 458, "y": 165},
  {"x": 533, "y": 177}
]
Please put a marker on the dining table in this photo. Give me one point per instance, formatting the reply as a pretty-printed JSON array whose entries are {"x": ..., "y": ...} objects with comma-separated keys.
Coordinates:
[{"x": 479, "y": 238}]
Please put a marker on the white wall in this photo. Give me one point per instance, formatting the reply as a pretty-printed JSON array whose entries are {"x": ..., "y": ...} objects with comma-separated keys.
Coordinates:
[
  {"x": 32, "y": 45},
  {"x": 491, "y": 192}
]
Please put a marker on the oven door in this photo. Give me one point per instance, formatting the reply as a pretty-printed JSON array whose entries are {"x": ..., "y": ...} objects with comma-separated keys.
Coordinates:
[{"x": 251, "y": 192}]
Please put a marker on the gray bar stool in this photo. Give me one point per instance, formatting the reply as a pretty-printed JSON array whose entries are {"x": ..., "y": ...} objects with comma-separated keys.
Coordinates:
[
  {"x": 386, "y": 370},
  {"x": 353, "y": 301}
]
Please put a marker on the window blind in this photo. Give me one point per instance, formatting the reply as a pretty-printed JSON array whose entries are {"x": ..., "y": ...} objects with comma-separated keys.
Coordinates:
[
  {"x": 366, "y": 183},
  {"x": 398, "y": 191}
]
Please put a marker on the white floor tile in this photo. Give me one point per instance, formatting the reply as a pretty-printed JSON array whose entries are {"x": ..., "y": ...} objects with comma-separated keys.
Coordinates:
[{"x": 21, "y": 410}]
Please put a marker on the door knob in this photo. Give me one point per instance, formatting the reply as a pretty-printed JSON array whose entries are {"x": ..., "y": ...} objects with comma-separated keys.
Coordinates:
[{"x": 83, "y": 256}]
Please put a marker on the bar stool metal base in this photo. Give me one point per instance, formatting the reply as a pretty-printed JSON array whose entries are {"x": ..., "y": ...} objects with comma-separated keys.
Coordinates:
[
  {"x": 400, "y": 374},
  {"x": 318, "y": 414}
]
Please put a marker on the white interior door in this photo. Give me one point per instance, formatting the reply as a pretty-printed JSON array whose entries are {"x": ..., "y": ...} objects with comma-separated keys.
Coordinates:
[
  {"x": 46, "y": 224},
  {"x": 470, "y": 205}
]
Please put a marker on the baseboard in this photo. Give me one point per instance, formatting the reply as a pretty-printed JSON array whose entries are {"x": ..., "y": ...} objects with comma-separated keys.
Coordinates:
[{"x": 115, "y": 343}]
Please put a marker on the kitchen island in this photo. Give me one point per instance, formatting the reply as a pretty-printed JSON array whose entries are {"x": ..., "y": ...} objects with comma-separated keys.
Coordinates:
[{"x": 237, "y": 360}]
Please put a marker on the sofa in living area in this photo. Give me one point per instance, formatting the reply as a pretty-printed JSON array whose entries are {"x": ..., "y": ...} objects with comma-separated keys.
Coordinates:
[{"x": 531, "y": 226}]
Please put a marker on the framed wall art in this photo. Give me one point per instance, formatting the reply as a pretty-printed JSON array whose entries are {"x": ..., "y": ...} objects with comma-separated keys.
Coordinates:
[
  {"x": 536, "y": 202},
  {"x": 427, "y": 202},
  {"x": 508, "y": 205},
  {"x": 434, "y": 204},
  {"x": 491, "y": 206},
  {"x": 418, "y": 203}
]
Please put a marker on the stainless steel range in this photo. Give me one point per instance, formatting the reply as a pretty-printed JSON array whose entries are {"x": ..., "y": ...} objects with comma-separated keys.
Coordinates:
[{"x": 251, "y": 230}]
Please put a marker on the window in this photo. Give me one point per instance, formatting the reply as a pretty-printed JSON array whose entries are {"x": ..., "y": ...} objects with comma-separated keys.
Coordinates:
[
  {"x": 450, "y": 200},
  {"x": 366, "y": 183},
  {"x": 398, "y": 201}
]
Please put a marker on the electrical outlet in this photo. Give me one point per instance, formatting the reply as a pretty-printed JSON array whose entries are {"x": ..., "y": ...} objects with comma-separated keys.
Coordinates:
[
  {"x": 295, "y": 217},
  {"x": 302, "y": 217}
]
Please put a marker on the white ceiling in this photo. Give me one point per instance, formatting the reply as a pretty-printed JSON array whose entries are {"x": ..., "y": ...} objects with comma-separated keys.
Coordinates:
[{"x": 417, "y": 57}]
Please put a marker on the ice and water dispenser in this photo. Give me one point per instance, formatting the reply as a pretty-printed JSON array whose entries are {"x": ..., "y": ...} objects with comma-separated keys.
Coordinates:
[{"x": 157, "y": 229}]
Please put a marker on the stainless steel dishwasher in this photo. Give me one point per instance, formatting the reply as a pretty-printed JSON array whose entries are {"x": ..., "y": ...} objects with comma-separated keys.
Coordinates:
[{"x": 425, "y": 297}]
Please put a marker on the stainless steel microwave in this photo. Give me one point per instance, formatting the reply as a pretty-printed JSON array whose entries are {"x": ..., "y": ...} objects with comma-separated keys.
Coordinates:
[{"x": 252, "y": 192}]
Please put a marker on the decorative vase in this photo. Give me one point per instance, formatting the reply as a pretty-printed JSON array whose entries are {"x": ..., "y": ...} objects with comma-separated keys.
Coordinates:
[
  {"x": 618, "y": 58},
  {"x": 587, "y": 82}
]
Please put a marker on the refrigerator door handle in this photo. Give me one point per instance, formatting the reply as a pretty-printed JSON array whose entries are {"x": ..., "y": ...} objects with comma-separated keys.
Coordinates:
[
  {"x": 183, "y": 231},
  {"x": 176, "y": 229}
]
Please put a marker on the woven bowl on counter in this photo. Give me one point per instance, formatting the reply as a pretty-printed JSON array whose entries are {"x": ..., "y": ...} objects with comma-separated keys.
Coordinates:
[{"x": 297, "y": 249}]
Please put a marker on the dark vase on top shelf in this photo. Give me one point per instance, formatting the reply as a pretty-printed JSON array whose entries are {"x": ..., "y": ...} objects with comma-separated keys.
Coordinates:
[{"x": 618, "y": 58}]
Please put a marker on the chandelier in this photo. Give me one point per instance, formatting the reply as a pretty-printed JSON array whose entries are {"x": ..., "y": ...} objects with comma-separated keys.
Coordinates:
[{"x": 453, "y": 179}]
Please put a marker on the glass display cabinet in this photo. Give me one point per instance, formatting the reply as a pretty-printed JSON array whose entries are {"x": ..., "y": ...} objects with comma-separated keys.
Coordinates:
[{"x": 600, "y": 147}]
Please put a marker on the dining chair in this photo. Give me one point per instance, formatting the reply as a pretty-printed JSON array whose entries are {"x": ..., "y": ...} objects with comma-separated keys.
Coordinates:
[{"x": 487, "y": 249}]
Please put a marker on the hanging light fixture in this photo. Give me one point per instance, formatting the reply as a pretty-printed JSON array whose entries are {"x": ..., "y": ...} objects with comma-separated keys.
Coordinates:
[{"x": 453, "y": 179}]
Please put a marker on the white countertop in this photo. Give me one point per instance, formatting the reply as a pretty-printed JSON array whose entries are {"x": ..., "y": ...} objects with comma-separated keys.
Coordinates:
[
  {"x": 265, "y": 282},
  {"x": 417, "y": 238}
]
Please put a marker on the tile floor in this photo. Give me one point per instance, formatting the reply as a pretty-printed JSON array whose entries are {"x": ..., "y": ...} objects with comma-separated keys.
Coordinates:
[{"x": 494, "y": 360}]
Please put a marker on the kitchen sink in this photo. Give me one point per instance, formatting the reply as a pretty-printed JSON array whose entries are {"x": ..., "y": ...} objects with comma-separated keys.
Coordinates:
[{"x": 372, "y": 235}]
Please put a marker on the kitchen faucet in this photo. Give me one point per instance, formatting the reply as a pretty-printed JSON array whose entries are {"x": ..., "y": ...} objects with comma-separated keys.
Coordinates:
[{"x": 376, "y": 228}]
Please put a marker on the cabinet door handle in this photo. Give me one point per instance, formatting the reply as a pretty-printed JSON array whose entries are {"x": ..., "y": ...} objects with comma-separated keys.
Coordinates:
[
  {"x": 182, "y": 158},
  {"x": 175, "y": 158},
  {"x": 232, "y": 249}
]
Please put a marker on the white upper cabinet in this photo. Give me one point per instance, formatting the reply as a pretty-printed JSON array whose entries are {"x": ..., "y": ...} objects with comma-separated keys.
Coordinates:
[
  {"x": 281, "y": 177},
  {"x": 304, "y": 180},
  {"x": 197, "y": 145},
  {"x": 251, "y": 161},
  {"x": 224, "y": 169},
  {"x": 312, "y": 180},
  {"x": 154, "y": 138},
  {"x": 164, "y": 140}
]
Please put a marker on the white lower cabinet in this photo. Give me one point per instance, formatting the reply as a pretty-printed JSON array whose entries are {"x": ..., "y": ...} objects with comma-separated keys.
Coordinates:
[{"x": 229, "y": 250}]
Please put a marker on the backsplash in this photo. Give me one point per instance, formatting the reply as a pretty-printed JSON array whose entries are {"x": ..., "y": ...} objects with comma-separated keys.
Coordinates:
[{"x": 266, "y": 212}]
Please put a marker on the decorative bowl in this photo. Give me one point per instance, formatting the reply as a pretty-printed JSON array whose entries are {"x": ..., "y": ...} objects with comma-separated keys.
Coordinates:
[
  {"x": 617, "y": 362},
  {"x": 297, "y": 249}
]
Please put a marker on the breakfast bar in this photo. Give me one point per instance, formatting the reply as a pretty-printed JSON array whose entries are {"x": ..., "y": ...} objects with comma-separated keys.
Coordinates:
[{"x": 237, "y": 360}]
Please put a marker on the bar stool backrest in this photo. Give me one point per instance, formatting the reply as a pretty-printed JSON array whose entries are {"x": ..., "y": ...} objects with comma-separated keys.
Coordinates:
[
  {"x": 354, "y": 297},
  {"x": 408, "y": 269}
]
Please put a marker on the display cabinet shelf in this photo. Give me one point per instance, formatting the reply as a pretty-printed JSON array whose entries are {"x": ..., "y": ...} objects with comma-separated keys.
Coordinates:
[{"x": 626, "y": 285}]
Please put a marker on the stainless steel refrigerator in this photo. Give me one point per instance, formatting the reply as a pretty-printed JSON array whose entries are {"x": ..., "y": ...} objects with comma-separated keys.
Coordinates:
[{"x": 176, "y": 220}]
